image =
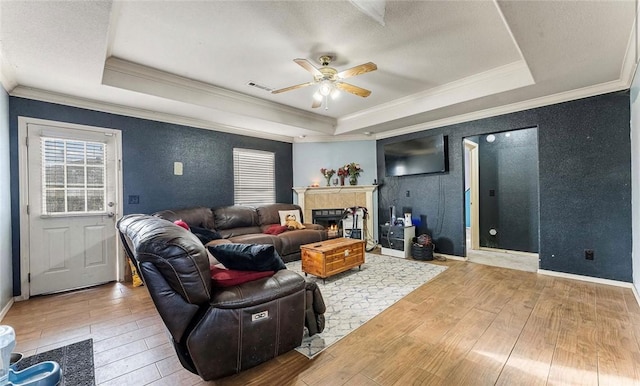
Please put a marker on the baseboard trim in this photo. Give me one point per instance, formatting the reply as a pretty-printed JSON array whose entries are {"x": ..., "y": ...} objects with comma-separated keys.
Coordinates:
[
  {"x": 453, "y": 257},
  {"x": 591, "y": 279},
  {"x": 635, "y": 294},
  {"x": 587, "y": 278},
  {"x": 5, "y": 309}
]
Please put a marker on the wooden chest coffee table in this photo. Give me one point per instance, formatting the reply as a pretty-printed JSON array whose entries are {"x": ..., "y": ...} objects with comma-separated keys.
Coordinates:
[{"x": 330, "y": 257}]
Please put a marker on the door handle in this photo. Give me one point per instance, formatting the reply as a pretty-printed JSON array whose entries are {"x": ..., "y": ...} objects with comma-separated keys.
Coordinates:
[
  {"x": 110, "y": 214},
  {"x": 110, "y": 204}
]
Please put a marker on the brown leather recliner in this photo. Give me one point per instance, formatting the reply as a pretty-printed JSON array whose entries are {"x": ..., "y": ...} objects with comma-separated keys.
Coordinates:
[{"x": 215, "y": 331}]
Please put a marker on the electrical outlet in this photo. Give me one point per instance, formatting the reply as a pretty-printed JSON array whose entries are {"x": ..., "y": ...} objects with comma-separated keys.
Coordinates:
[
  {"x": 134, "y": 199},
  {"x": 408, "y": 193},
  {"x": 588, "y": 254}
]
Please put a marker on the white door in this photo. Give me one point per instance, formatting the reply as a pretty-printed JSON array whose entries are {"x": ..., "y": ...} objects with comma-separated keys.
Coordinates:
[{"x": 72, "y": 176}]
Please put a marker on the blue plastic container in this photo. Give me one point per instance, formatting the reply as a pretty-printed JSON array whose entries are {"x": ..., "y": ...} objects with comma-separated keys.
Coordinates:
[{"x": 41, "y": 374}]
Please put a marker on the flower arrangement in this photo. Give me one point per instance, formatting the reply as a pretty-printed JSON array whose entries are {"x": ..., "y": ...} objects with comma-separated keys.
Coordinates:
[
  {"x": 328, "y": 173},
  {"x": 352, "y": 170}
]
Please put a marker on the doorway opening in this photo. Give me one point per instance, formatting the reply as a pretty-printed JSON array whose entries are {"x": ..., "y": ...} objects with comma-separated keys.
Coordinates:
[
  {"x": 70, "y": 196},
  {"x": 501, "y": 199}
]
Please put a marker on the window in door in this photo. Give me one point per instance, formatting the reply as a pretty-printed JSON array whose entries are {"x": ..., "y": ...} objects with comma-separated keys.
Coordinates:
[
  {"x": 254, "y": 177},
  {"x": 73, "y": 176}
]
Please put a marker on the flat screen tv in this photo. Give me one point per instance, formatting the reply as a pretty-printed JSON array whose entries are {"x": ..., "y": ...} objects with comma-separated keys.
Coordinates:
[{"x": 416, "y": 156}]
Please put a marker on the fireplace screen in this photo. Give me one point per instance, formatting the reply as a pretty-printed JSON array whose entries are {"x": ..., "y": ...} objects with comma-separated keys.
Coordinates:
[{"x": 330, "y": 219}]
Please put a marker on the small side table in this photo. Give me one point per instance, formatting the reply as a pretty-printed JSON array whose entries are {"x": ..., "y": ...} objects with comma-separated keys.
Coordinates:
[{"x": 396, "y": 240}]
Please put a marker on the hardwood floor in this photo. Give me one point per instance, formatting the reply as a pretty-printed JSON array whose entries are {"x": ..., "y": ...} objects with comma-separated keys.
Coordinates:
[{"x": 471, "y": 325}]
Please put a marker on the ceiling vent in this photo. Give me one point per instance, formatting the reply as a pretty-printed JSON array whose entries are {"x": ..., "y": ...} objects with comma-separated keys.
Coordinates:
[{"x": 260, "y": 86}]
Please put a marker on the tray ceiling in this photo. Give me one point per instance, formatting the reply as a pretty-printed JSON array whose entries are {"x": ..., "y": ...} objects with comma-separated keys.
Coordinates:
[{"x": 438, "y": 62}]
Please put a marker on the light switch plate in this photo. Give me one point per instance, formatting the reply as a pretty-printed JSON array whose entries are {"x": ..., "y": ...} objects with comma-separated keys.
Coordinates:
[{"x": 177, "y": 168}]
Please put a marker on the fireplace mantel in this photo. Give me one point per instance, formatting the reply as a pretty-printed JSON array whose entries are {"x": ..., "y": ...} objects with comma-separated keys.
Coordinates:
[{"x": 331, "y": 197}]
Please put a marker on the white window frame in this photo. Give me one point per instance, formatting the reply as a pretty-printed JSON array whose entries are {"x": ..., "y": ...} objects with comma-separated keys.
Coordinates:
[{"x": 254, "y": 177}]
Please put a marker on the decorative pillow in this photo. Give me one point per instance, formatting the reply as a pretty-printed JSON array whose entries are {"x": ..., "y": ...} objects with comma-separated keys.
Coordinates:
[
  {"x": 205, "y": 235},
  {"x": 221, "y": 277},
  {"x": 248, "y": 257},
  {"x": 275, "y": 229},
  {"x": 284, "y": 213},
  {"x": 182, "y": 224}
]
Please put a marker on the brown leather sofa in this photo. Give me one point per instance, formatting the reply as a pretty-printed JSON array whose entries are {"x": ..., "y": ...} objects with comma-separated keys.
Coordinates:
[
  {"x": 217, "y": 331},
  {"x": 241, "y": 224}
]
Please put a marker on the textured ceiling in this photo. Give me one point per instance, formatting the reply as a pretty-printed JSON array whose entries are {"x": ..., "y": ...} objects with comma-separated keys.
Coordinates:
[{"x": 438, "y": 61}]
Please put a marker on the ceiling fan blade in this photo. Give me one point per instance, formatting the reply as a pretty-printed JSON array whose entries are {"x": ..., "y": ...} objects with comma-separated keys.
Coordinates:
[
  {"x": 292, "y": 87},
  {"x": 316, "y": 104},
  {"x": 359, "y": 91},
  {"x": 357, "y": 70},
  {"x": 304, "y": 63}
]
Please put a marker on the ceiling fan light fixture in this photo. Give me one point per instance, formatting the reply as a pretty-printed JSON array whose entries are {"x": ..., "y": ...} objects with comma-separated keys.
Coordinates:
[
  {"x": 325, "y": 88},
  {"x": 330, "y": 81}
]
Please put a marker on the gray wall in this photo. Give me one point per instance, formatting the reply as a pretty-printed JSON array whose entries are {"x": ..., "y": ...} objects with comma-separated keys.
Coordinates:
[
  {"x": 149, "y": 150},
  {"x": 508, "y": 190},
  {"x": 6, "y": 282},
  {"x": 584, "y": 168}
]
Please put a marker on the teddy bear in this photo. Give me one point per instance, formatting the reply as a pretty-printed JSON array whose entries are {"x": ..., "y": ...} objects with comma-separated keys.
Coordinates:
[{"x": 291, "y": 223}]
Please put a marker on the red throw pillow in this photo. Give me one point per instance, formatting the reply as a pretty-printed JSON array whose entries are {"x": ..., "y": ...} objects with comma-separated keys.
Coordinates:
[
  {"x": 182, "y": 224},
  {"x": 229, "y": 277},
  {"x": 275, "y": 229}
]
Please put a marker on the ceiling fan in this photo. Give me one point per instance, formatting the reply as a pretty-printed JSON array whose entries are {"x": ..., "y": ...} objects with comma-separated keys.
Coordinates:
[{"x": 330, "y": 80}]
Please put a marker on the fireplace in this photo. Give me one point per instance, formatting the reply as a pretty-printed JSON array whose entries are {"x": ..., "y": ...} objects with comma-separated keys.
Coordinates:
[
  {"x": 330, "y": 219},
  {"x": 336, "y": 198}
]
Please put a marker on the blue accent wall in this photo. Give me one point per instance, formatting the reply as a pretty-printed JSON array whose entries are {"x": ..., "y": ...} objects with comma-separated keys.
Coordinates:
[
  {"x": 149, "y": 149},
  {"x": 584, "y": 169}
]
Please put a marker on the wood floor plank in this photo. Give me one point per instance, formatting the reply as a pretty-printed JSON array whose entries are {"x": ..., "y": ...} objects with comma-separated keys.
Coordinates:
[
  {"x": 618, "y": 366},
  {"x": 141, "y": 376},
  {"x": 472, "y": 325},
  {"x": 399, "y": 357},
  {"x": 134, "y": 362},
  {"x": 181, "y": 377},
  {"x": 575, "y": 359},
  {"x": 456, "y": 343}
]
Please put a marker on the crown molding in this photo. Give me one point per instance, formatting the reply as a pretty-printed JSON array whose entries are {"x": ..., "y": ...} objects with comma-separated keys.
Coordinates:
[
  {"x": 565, "y": 96},
  {"x": 139, "y": 78},
  {"x": 334, "y": 138},
  {"x": 504, "y": 78},
  {"x": 89, "y": 104}
]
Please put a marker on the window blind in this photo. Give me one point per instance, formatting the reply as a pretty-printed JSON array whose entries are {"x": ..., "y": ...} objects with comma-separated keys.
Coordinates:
[
  {"x": 73, "y": 176},
  {"x": 254, "y": 180}
]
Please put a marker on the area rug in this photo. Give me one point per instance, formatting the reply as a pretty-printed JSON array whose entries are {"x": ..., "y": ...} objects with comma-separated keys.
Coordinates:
[
  {"x": 75, "y": 360},
  {"x": 355, "y": 296}
]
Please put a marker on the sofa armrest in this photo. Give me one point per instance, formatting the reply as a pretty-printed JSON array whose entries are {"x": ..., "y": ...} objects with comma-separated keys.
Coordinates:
[
  {"x": 316, "y": 227},
  {"x": 281, "y": 284}
]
